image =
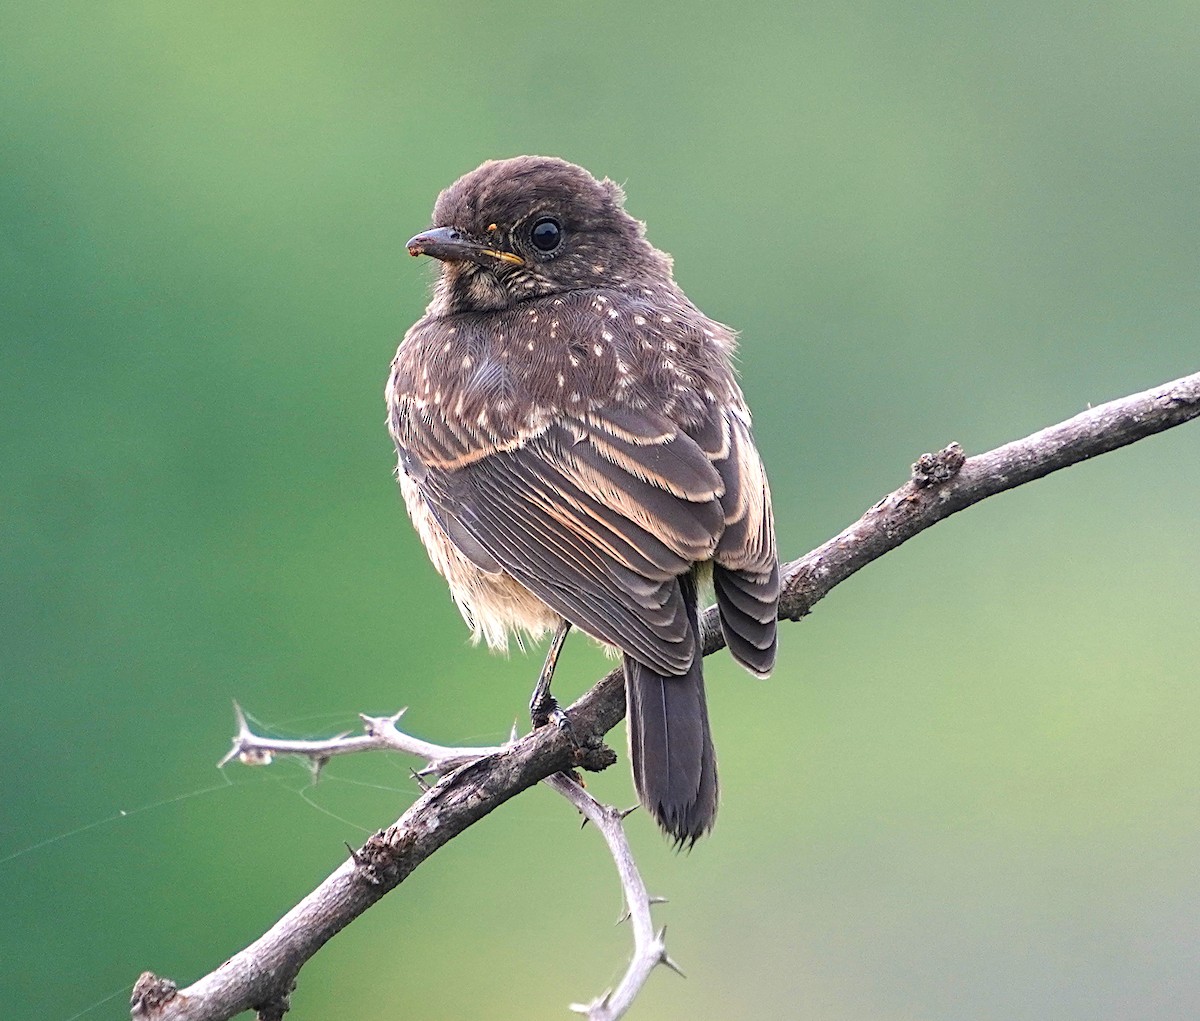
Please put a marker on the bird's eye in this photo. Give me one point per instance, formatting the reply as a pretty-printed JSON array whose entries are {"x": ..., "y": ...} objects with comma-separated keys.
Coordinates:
[{"x": 546, "y": 234}]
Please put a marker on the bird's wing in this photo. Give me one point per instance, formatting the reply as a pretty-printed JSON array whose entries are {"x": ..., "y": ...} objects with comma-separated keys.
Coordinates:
[
  {"x": 746, "y": 568},
  {"x": 596, "y": 514}
]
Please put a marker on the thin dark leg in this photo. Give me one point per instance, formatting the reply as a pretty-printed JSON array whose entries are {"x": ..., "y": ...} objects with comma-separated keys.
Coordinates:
[{"x": 542, "y": 706}]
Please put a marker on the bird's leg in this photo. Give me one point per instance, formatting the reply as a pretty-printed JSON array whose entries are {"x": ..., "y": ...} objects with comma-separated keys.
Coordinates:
[{"x": 543, "y": 708}]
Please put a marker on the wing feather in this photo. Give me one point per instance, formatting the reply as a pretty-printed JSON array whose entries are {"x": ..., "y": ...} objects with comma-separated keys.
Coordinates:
[
  {"x": 596, "y": 540},
  {"x": 746, "y": 573}
]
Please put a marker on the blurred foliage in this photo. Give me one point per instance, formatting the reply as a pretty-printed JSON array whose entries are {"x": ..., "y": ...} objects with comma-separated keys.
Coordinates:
[{"x": 971, "y": 789}]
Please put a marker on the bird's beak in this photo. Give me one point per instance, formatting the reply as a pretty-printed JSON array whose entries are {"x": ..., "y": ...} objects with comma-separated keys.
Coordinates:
[{"x": 451, "y": 245}]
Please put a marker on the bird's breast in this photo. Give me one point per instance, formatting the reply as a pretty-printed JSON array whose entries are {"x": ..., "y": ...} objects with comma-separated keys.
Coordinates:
[{"x": 501, "y": 376}]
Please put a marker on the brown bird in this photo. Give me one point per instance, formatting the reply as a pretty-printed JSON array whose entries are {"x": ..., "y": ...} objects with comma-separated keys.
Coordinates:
[{"x": 575, "y": 450}]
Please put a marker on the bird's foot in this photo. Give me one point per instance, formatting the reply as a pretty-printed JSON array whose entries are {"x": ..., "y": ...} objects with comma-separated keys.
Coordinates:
[{"x": 546, "y": 710}]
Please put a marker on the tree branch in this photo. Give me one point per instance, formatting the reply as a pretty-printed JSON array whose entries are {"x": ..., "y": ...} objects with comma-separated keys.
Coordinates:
[
  {"x": 937, "y": 490},
  {"x": 379, "y": 734},
  {"x": 261, "y": 977},
  {"x": 649, "y": 948}
]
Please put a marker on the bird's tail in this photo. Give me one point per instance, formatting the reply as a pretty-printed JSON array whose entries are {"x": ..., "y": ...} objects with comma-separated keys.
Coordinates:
[{"x": 670, "y": 744}]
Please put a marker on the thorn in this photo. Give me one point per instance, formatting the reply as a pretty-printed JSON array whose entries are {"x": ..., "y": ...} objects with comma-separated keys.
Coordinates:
[
  {"x": 315, "y": 765},
  {"x": 244, "y": 738},
  {"x": 657, "y": 900},
  {"x": 672, "y": 965},
  {"x": 512, "y": 734},
  {"x": 583, "y": 824},
  {"x": 625, "y": 813},
  {"x": 354, "y": 855},
  {"x": 586, "y": 1008},
  {"x": 664, "y": 958},
  {"x": 625, "y": 916},
  {"x": 420, "y": 780},
  {"x": 372, "y": 725}
]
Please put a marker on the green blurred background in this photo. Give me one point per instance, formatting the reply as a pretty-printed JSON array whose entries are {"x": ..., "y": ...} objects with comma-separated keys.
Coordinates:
[{"x": 972, "y": 788}]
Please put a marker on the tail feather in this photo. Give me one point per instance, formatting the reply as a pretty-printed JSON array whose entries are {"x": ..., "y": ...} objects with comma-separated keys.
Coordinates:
[
  {"x": 748, "y": 603},
  {"x": 670, "y": 743}
]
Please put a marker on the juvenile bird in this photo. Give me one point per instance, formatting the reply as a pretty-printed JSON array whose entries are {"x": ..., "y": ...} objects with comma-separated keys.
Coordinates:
[{"x": 575, "y": 451}]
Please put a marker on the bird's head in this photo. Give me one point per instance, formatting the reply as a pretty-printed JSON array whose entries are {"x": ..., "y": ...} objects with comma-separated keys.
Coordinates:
[{"x": 523, "y": 228}]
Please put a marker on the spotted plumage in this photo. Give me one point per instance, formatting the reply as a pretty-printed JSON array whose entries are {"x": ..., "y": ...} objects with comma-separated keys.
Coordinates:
[{"x": 573, "y": 445}]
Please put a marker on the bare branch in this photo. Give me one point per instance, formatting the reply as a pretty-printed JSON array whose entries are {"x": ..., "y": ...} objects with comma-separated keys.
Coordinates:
[
  {"x": 262, "y": 976},
  {"x": 380, "y": 733},
  {"x": 649, "y": 949},
  {"x": 925, "y": 501}
]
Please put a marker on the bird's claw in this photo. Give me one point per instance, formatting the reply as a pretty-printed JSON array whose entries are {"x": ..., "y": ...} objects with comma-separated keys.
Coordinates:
[
  {"x": 547, "y": 711},
  {"x": 543, "y": 710},
  {"x": 562, "y": 721}
]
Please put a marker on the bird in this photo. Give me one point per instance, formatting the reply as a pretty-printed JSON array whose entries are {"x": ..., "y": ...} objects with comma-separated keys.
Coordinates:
[{"x": 574, "y": 451}]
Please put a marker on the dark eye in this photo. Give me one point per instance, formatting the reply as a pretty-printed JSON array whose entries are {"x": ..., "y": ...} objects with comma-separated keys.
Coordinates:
[{"x": 546, "y": 234}]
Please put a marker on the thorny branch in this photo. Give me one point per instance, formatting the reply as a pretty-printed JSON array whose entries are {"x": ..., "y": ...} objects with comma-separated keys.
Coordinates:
[
  {"x": 261, "y": 977},
  {"x": 649, "y": 948},
  {"x": 379, "y": 734}
]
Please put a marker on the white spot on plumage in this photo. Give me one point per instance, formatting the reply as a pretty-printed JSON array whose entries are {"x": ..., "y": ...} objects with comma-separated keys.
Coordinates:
[
  {"x": 665, "y": 318},
  {"x": 466, "y": 362},
  {"x": 529, "y": 346},
  {"x": 606, "y": 335},
  {"x": 639, "y": 320},
  {"x": 599, "y": 349}
]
